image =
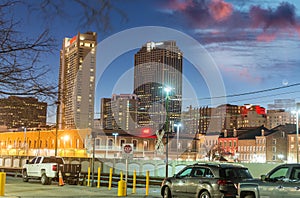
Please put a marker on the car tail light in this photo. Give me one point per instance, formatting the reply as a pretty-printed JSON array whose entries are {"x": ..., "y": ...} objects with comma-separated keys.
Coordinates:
[
  {"x": 54, "y": 167},
  {"x": 221, "y": 182}
]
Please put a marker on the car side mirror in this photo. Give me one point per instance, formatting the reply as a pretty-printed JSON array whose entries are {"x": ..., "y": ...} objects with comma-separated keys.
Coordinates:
[
  {"x": 263, "y": 177},
  {"x": 177, "y": 176},
  {"x": 27, "y": 161}
]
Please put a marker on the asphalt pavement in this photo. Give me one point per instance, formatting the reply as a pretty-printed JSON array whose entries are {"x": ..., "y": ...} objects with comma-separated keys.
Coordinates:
[{"x": 16, "y": 188}]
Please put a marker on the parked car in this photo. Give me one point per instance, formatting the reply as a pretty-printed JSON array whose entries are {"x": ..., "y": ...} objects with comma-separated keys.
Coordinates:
[
  {"x": 205, "y": 180},
  {"x": 47, "y": 169},
  {"x": 282, "y": 181}
]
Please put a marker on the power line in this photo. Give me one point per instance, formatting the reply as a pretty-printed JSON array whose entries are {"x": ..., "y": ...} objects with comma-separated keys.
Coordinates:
[{"x": 250, "y": 93}]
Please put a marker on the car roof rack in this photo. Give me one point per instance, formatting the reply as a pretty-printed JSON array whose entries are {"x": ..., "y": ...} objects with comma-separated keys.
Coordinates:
[
  {"x": 218, "y": 164},
  {"x": 207, "y": 164}
]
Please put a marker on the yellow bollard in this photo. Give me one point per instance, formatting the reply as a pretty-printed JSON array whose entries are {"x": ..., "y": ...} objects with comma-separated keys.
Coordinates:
[
  {"x": 134, "y": 182},
  {"x": 121, "y": 175},
  {"x": 89, "y": 174},
  {"x": 2, "y": 183},
  {"x": 98, "y": 183},
  {"x": 147, "y": 183},
  {"x": 110, "y": 178},
  {"x": 122, "y": 188}
]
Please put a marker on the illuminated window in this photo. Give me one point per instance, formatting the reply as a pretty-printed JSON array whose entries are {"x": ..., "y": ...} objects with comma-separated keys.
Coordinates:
[{"x": 146, "y": 145}]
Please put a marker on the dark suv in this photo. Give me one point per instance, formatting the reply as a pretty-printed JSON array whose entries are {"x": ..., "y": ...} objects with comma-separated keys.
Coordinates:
[{"x": 205, "y": 180}]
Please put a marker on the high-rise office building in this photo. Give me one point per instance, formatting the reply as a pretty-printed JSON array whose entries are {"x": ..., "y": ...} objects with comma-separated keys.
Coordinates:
[
  {"x": 283, "y": 104},
  {"x": 124, "y": 111},
  {"x": 106, "y": 114},
  {"x": 16, "y": 112},
  {"x": 77, "y": 81},
  {"x": 158, "y": 65},
  {"x": 119, "y": 112}
]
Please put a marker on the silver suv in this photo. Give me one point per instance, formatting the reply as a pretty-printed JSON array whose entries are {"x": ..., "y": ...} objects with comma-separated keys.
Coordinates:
[{"x": 205, "y": 180}]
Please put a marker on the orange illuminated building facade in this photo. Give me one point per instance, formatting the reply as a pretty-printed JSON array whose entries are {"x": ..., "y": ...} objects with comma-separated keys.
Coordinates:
[{"x": 30, "y": 143}]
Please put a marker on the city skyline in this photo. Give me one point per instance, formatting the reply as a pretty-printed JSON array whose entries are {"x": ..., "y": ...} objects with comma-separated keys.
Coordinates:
[{"x": 252, "y": 43}]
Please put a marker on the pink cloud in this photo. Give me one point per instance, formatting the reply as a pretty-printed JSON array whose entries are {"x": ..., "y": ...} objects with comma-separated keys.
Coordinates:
[
  {"x": 266, "y": 37},
  {"x": 298, "y": 29},
  {"x": 220, "y": 10},
  {"x": 241, "y": 73},
  {"x": 179, "y": 5}
]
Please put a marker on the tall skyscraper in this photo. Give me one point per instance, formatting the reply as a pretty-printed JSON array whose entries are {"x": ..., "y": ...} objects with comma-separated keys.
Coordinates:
[
  {"x": 158, "y": 65},
  {"x": 77, "y": 81}
]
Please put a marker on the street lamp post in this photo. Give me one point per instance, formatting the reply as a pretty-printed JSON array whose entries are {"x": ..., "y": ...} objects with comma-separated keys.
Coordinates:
[
  {"x": 177, "y": 136},
  {"x": 93, "y": 158},
  {"x": 115, "y": 134},
  {"x": 177, "y": 132},
  {"x": 65, "y": 138},
  {"x": 25, "y": 150},
  {"x": 57, "y": 127},
  {"x": 167, "y": 90}
]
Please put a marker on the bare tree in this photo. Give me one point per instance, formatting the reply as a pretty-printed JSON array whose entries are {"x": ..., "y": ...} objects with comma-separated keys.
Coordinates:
[
  {"x": 215, "y": 153},
  {"x": 21, "y": 72},
  {"x": 97, "y": 13}
]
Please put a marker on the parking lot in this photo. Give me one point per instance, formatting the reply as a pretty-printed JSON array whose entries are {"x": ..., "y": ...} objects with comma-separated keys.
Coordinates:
[{"x": 15, "y": 187}]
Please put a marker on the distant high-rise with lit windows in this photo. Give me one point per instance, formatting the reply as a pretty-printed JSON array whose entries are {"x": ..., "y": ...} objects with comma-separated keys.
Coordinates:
[
  {"x": 119, "y": 112},
  {"x": 158, "y": 65},
  {"x": 77, "y": 81},
  {"x": 26, "y": 112}
]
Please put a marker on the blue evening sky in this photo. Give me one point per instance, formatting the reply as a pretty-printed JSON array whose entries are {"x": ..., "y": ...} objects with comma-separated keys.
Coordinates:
[{"x": 252, "y": 44}]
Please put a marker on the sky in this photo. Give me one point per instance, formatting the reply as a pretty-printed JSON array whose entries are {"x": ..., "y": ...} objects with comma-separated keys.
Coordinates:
[{"x": 235, "y": 51}]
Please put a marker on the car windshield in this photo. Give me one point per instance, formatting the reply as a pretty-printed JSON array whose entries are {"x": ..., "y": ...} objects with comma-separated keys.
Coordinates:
[{"x": 233, "y": 173}]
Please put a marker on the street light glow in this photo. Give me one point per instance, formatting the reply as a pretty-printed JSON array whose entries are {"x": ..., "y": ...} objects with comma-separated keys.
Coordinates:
[
  {"x": 66, "y": 137},
  {"x": 167, "y": 89},
  {"x": 115, "y": 134}
]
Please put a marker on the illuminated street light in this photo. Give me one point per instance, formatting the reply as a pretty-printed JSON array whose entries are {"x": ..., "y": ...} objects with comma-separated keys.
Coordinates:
[
  {"x": 167, "y": 90},
  {"x": 66, "y": 138},
  {"x": 281, "y": 156},
  {"x": 115, "y": 134},
  {"x": 177, "y": 135}
]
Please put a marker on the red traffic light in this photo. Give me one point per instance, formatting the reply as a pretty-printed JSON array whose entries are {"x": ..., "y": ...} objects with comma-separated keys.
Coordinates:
[{"x": 146, "y": 131}]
